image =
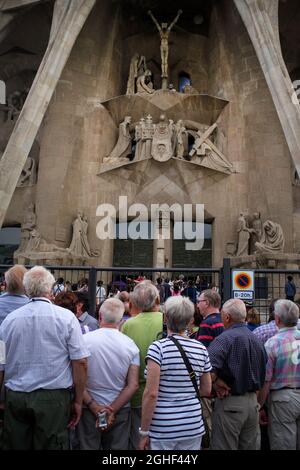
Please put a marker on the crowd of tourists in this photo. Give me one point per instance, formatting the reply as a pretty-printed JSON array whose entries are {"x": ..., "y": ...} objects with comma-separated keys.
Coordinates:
[{"x": 159, "y": 369}]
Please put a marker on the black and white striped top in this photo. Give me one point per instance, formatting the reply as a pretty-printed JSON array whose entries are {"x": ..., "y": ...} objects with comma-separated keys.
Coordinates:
[{"x": 177, "y": 414}]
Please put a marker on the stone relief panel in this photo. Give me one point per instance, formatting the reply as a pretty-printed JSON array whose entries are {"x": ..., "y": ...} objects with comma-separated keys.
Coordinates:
[{"x": 185, "y": 140}]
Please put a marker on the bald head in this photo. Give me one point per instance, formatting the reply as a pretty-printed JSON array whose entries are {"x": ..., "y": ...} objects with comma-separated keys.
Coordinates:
[
  {"x": 233, "y": 311},
  {"x": 14, "y": 279}
]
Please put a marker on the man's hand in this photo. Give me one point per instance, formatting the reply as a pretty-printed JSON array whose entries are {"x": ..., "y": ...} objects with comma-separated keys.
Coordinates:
[
  {"x": 76, "y": 410},
  {"x": 96, "y": 408},
  {"x": 263, "y": 417},
  {"x": 221, "y": 388},
  {"x": 144, "y": 443}
]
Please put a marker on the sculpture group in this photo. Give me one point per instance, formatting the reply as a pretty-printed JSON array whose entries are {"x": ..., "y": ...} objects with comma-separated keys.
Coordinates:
[
  {"x": 183, "y": 140},
  {"x": 32, "y": 243},
  {"x": 255, "y": 237}
]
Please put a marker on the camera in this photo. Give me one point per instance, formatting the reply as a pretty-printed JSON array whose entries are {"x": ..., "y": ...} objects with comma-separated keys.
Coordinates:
[{"x": 101, "y": 420}]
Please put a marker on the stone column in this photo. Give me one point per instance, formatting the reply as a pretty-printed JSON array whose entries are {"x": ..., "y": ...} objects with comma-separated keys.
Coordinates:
[
  {"x": 161, "y": 233},
  {"x": 261, "y": 20},
  {"x": 68, "y": 20}
]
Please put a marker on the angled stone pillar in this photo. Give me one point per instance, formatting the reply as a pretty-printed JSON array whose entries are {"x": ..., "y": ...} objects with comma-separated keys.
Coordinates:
[
  {"x": 68, "y": 19},
  {"x": 261, "y": 20},
  {"x": 5, "y": 20}
]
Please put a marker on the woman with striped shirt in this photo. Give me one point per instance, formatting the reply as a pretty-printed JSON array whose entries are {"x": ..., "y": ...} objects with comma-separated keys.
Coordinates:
[{"x": 171, "y": 411}]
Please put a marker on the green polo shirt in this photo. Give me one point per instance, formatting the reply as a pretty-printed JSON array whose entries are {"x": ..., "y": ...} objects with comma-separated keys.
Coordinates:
[{"x": 143, "y": 330}]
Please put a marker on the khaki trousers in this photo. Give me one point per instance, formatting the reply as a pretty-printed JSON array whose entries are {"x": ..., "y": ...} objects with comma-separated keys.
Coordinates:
[
  {"x": 284, "y": 419},
  {"x": 235, "y": 423}
]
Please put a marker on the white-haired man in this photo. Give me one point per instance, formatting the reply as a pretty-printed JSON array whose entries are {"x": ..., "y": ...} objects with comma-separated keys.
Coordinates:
[
  {"x": 15, "y": 296},
  {"x": 283, "y": 379},
  {"x": 238, "y": 362},
  {"x": 45, "y": 356},
  {"x": 113, "y": 377},
  {"x": 143, "y": 329}
]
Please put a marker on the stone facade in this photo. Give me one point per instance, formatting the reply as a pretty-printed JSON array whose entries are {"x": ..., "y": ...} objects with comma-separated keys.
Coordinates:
[{"x": 80, "y": 128}]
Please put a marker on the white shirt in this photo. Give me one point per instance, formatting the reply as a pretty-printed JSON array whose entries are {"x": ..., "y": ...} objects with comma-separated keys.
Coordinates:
[
  {"x": 111, "y": 355},
  {"x": 41, "y": 339},
  {"x": 101, "y": 293}
]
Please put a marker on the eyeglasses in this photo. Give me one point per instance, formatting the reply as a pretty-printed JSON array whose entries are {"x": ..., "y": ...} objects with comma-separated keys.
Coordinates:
[{"x": 203, "y": 300}]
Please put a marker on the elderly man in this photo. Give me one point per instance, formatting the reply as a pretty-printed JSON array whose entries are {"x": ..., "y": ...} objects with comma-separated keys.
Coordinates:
[
  {"x": 238, "y": 362},
  {"x": 209, "y": 304},
  {"x": 283, "y": 379},
  {"x": 143, "y": 329},
  {"x": 15, "y": 296},
  {"x": 113, "y": 377},
  {"x": 45, "y": 356}
]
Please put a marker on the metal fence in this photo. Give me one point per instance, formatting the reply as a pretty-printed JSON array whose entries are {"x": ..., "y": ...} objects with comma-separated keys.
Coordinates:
[{"x": 269, "y": 283}]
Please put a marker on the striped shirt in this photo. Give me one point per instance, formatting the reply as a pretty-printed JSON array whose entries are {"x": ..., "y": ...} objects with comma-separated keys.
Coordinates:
[
  {"x": 283, "y": 367},
  {"x": 210, "y": 328},
  {"x": 177, "y": 414}
]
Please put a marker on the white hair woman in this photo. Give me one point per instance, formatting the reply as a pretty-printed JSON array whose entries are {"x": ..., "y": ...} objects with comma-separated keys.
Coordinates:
[{"x": 171, "y": 410}]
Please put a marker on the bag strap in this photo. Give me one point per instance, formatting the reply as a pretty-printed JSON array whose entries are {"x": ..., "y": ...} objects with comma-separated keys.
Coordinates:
[{"x": 187, "y": 364}]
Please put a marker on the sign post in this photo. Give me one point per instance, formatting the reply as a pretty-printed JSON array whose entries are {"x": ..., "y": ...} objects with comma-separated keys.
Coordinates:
[{"x": 243, "y": 284}]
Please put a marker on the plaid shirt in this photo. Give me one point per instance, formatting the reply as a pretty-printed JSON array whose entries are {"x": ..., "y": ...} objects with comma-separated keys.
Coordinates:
[
  {"x": 239, "y": 359},
  {"x": 265, "y": 332},
  {"x": 283, "y": 367}
]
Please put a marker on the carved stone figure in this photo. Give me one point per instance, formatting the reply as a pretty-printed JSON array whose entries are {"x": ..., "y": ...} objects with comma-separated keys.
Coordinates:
[
  {"x": 147, "y": 136},
  {"x": 144, "y": 83},
  {"x": 190, "y": 90},
  {"x": 243, "y": 236},
  {"x": 28, "y": 225},
  {"x": 257, "y": 230},
  {"x": 30, "y": 218},
  {"x": 162, "y": 140},
  {"x": 137, "y": 68},
  {"x": 272, "y": 240},
  {"x": 15, "y": 102},
  {"x": 33, "y": 242},
  {"x": 123, "y": 147},
  {"x": 79, "y": 245},
  {"x": 164, "y": 31},
  {"x": 28, "y": 175},
  {"x": 212, "y": 157},
  {"x": 138, "y": 139},
  {"x": 181, "y": 140}
]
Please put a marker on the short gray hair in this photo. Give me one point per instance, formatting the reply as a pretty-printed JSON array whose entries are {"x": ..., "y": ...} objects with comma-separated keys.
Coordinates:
[
  {"x": 287, "y": 311},
  {"x": 213, "y": 298},
  {"x": 144, "y": 296},
  {"x": 112, "y": 311},
  {"x": 179, "y": 312},
  {"x": 38, "y": 282},
  {"x": 236, "y": 309},
  {"x": 14, "y": 279}
]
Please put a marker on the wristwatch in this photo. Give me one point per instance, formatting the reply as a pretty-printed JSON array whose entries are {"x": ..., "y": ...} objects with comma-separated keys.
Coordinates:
[{"x": 143, "y": 433}]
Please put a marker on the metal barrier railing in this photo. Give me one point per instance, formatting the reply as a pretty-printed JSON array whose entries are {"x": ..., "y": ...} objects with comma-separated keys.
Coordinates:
[{"x": 269, "y": 283}]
